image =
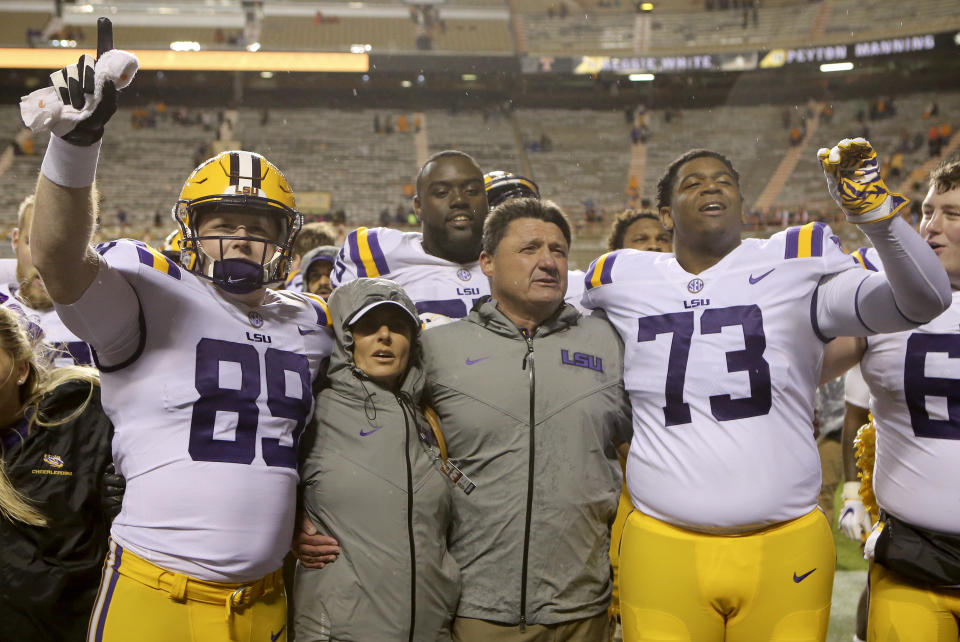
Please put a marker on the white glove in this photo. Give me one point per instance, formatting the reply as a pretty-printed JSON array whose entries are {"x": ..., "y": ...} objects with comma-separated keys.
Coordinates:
[
  {"x": 854, "y": 521},
  {"x": 854, "y": 182},
  {"x": 83, "y": 96}
]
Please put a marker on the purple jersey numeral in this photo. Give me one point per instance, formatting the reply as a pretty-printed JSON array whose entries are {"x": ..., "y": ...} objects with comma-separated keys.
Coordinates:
[
  {"x": 917, "y": 386},
  {"x": 242, "y": 449},
  {"x": 339, "y": 267},
  {"x": 749, "y": 359},
  {"x": 680, "y": 324},
  {"x": 243, "y": 401},
  {"x": 453, "y": 308},
  {"x": 278, "y": 363}
]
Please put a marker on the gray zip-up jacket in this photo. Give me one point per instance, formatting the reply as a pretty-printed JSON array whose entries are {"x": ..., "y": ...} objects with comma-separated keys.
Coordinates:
[
  {"x": 533, "y": 421},
  {"x": 368, "y": 481}
]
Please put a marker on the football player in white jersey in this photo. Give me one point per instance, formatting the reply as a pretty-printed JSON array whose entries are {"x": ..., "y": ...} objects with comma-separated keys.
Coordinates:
[
  {"x": 29, "y": 297},
  {"x": 206, "y": 373},
  {"x": 439, "y": 267},
  {"x": 724, "y": 341},
  {"x": 914, "y": 382}
]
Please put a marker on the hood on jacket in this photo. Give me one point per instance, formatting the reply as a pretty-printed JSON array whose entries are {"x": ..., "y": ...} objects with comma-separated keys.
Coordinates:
[
  {"x": 326, "y": 253},
  {"x": 348, "y": 304}
]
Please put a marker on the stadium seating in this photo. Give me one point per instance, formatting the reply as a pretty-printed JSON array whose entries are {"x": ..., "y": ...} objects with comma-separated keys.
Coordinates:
[
  {"x": 14, "y": 26},
  {"x": 337, "y": 151}
]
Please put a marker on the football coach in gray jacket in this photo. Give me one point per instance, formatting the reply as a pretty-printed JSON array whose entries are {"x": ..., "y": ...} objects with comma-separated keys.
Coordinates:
[{"x": 531, "y": 402}]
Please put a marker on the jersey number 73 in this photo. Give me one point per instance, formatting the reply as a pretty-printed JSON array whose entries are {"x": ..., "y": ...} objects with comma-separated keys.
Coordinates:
[{"x": 749, "y": 359}]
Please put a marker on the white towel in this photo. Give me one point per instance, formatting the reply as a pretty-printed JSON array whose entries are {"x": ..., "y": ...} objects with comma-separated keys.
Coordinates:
[{"x": 42, "y": 110}]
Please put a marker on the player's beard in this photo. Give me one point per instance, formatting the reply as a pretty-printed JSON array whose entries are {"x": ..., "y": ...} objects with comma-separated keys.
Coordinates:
[{"x": 32, "y": 290}]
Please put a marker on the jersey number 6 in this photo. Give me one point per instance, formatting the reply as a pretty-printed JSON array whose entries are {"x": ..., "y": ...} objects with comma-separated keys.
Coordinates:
[
  {"x": 918, "y": 386},
  {"x": 749, "y": 360},
  {"x": 243, "y": 402}
]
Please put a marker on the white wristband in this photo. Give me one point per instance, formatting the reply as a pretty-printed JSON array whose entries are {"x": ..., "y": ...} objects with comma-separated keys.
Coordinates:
[
  {"x": 851, "y": 490},
  {"x": 70, "y": 165}
]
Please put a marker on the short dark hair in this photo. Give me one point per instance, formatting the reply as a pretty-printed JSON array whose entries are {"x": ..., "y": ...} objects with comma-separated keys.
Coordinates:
[
  {"x": 500, "y": 217},
  {"x": 444, "y": 154},
  {"x": 624, "y": 220},
  {"x": 665, "y": 184},
  {"x": 946, "y": 175}
]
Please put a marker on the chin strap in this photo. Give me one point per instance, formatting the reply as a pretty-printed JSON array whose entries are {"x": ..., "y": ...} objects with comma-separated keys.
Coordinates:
[{"x": 237, "y": 276}]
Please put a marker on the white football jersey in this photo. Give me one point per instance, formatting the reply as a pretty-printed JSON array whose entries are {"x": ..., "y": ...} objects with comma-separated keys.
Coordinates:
[
  {"x": 914, "y": 380},
  {"x": 435, "y": 285},
  {"x": 67, "y": 349},
  {"x": 721, "y": 368},
  {"x": 575, "y": 289},
  {"x": 868, "y": 258},
  {"x": 294, "y": 281},
  {"x": 207, "y": 416},
  {"x": 8, "y": 271},
  {"x": 855, "y": 389}
]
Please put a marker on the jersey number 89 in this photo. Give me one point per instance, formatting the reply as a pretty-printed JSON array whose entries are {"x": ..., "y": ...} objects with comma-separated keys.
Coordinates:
[{"x": 243, "y": 401}]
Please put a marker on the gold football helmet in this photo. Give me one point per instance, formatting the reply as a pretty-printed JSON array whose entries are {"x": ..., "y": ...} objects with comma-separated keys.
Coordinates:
[
  {"x": 237, "y": 181},
  {"x": 502, "y": 186}
]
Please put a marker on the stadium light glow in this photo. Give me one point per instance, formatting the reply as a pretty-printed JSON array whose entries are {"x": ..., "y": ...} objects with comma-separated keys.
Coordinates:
[
  {"x": 406, "y": 83},
  {"x": 254, "y": 47},
  {"x": 641, "y": 77},
  {"x": 956, "y": 38},
  {"x": 166, "y": 60},
  {"x": 836, "y": 66},
  {"x": 646, "y": 6},
  {"x": 63, "y": 43},
  {"x": 266, "y": 75},
  {"x": 185, "y": 45},
  {"x": 468, "y": 77}
]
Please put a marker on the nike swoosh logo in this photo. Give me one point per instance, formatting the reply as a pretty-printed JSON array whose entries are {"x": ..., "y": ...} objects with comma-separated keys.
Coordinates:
[
  {"x": 230, "y": 279},
  {"x": 800, "y": 578},
  {"x": 754, "y": 279},
  {"x": 849, "y": 511},
  {"x": 470, "y": 362},
  {"x": 275, "y": 636},
  {"x": 369, "y": 432},
  {"x": 303, "y": 332}
]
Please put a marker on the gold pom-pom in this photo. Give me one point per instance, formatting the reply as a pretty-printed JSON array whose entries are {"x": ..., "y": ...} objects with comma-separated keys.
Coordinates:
[{"x": 865, "y": 444}]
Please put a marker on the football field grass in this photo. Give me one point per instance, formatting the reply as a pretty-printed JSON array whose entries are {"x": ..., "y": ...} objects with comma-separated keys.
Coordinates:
[{"x": 848, "y": 582}]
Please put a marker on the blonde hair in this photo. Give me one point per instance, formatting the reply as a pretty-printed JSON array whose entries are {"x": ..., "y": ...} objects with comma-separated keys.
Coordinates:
[
  {"x": 25, "y": 213},
  {"x": 42, "y": 378}
]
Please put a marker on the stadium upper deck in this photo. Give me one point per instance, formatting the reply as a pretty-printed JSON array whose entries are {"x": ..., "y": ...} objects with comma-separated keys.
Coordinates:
[{"x": 535, "y": 27}]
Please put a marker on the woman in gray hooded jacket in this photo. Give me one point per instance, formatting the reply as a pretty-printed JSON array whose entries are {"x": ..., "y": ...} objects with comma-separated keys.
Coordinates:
[{"x": 370, "y": 478}]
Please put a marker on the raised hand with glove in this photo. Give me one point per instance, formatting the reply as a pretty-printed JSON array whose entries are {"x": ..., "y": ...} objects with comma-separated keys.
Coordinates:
[
  {"x": 854, "y": 182},
  {"x": 76, "y": 107},
  {"x": 83, "y": 96}
]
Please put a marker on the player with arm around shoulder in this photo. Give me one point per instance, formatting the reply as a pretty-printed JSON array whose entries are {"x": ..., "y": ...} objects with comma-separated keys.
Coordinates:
[
  {"x": 207, "y": 375},
  {"x": 724, "y": 341}
]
